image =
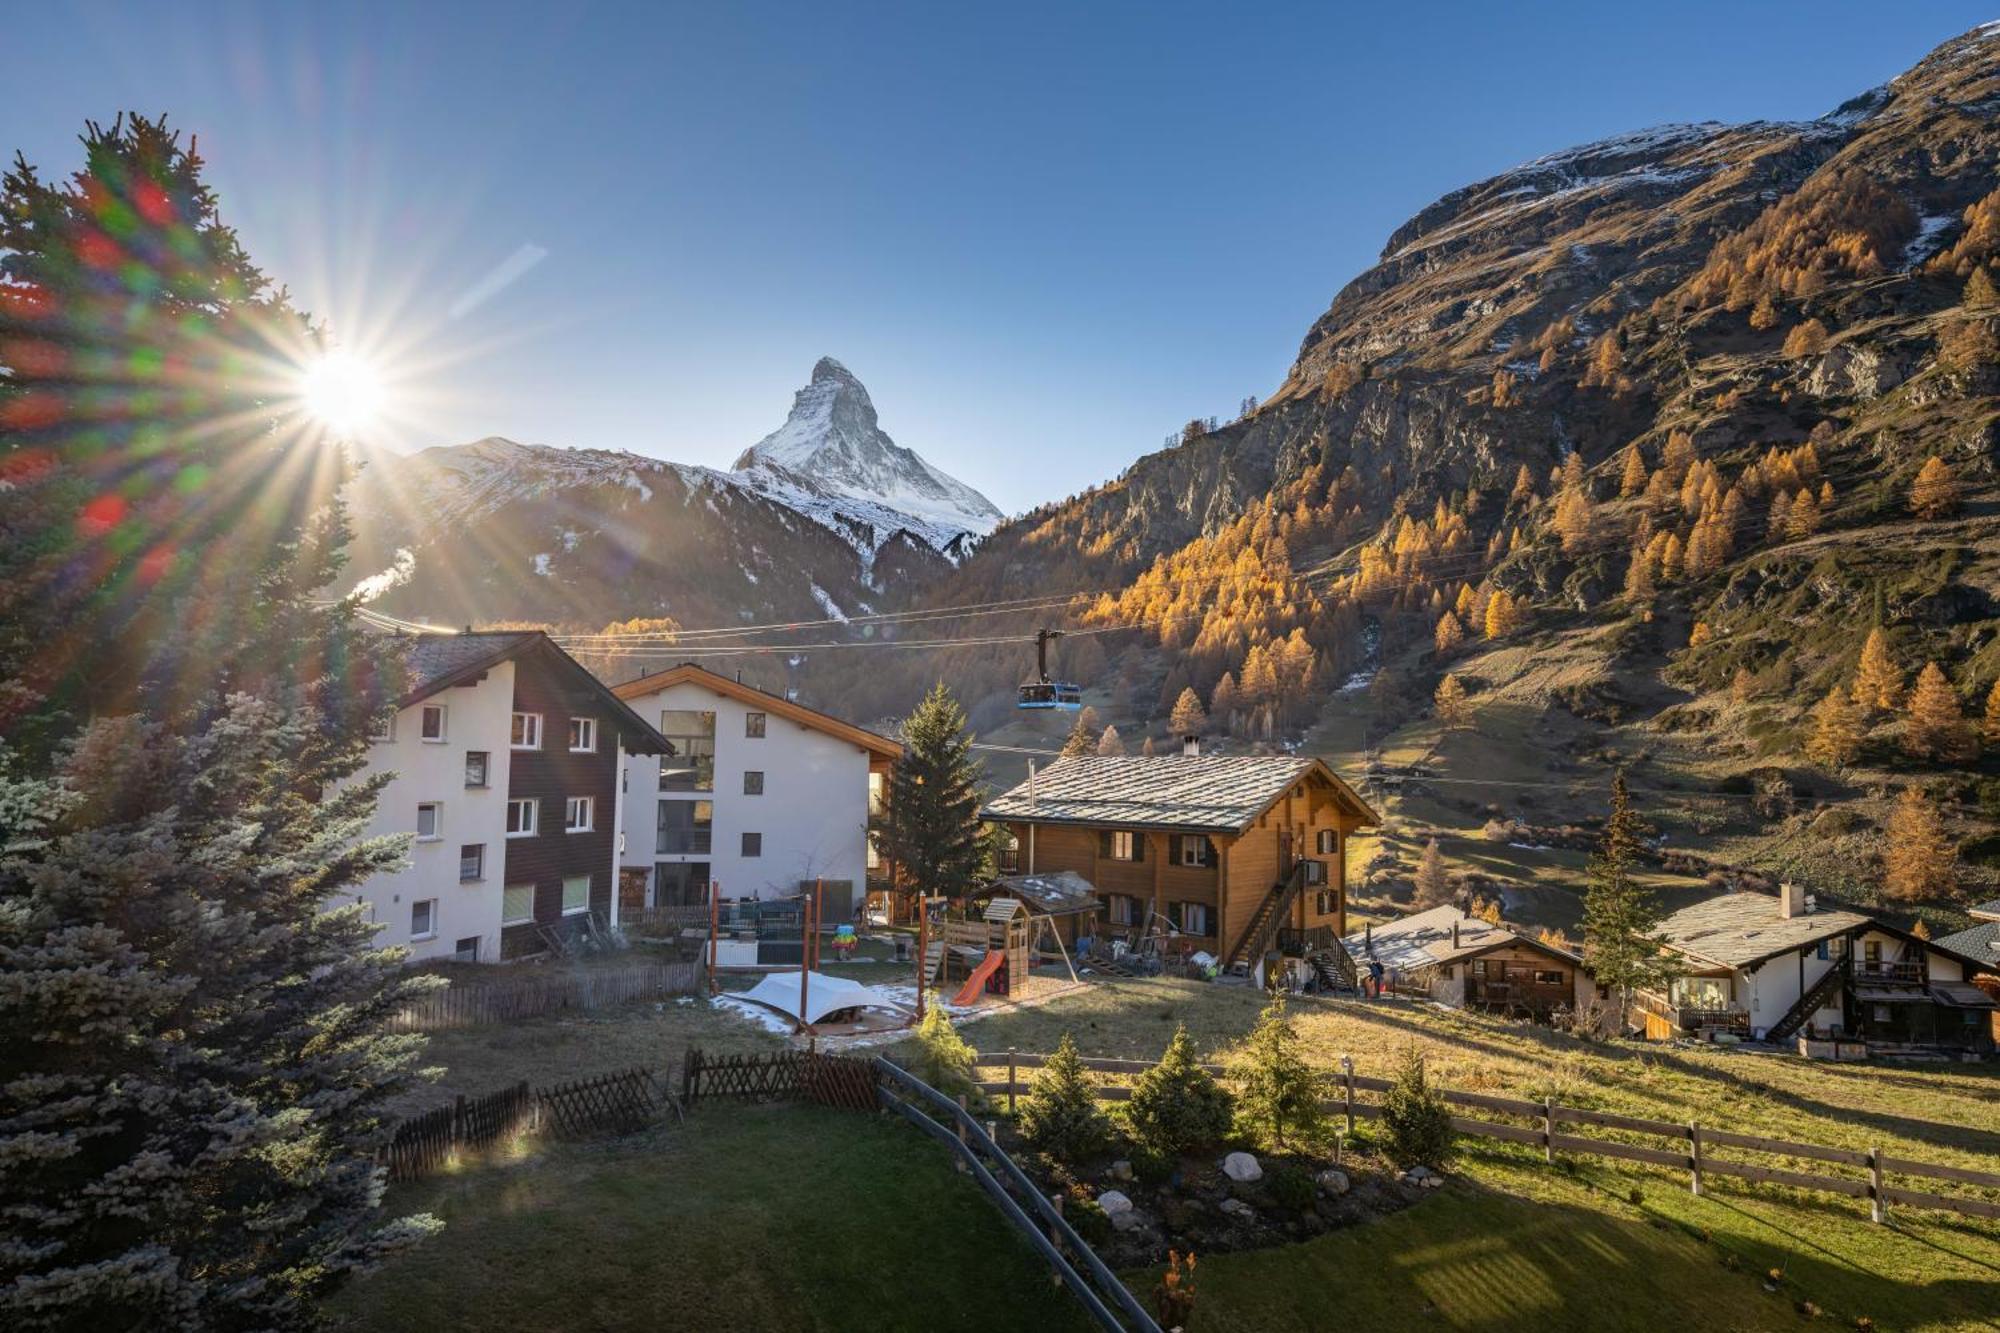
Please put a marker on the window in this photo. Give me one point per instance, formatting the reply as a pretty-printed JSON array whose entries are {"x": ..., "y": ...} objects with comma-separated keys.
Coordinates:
[
  {"x": 576, "y": 894},
  {"x": 689, "y": 764},
  {"x": 475, "y": 768},
  {"x": 753, "y": 726},
  {"x": 1326, "y": 902},
  {"x": 1118, "y": 908},
  {"x": 580, "y": 814},
  {"x": 874, "y": 854},
  {"x": 1325, "y": 842},
  {"x": 753, "y": 782},
  {"x": 527, "y": 732},
  {"x": 471, "y": 862},
  {"x": 466, "y": 950},
  {"x": 1479, "y": 967},
  {"x": 684, "y": 828},
  {"x": 1193, "y": 849},
  {"x": 753, "y": 844},
  {"x": 1121, "y": 845},
  {"x": 1189, "y": 918},
  {"x": 384, "y": 728},
  {"x": 517, "y": 904},
  {"x": 423, "y": 919},
  {"x": 430, "y": 820},
  {"x": 680, "y": 884},
  {"x": 878, "y": 793},
  {"x": 1549, "y": 977},
  {"x": 583, "y": 734},
  {"x": 521, "y": 818},
  {"x": 431, "y": 726}
]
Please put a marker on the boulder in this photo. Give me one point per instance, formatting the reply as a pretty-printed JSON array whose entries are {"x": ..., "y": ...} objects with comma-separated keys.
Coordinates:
[
  {"x": 1237, "y": 1208},
  {"x": 1241, "y": 1167},
  {"x": 1433, "y": 1182},
  {"x": 1333, "y": 1182},
  {"x": 1113, "y": 1203},
  {"x": 1120, "y": 1170},
  {"x": 1129, "y": 1219}
]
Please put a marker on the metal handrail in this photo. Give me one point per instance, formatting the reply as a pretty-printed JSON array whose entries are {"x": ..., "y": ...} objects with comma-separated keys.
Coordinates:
[{"x": 969, "y": 1140}]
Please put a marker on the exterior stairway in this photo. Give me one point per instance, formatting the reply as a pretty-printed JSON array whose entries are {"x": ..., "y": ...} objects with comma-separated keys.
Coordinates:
[
  {"x": 1256, "y": 936},
  {"x": 1333, "y": 969},
  {"x": 1817, "y": 996}
]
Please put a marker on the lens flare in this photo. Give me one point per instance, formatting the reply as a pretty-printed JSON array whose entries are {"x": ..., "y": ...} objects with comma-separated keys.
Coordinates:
[{"x": 342, "y": 392}]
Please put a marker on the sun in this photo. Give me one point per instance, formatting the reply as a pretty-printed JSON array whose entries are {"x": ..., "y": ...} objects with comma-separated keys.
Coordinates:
[{"x": 342, "y": 392}]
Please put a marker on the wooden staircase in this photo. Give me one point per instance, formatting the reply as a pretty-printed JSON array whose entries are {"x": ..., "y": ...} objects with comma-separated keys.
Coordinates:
[
  {"x": 933, "y": 960},
  {"x": 1256, "y": 936},
  {"x": 1333, "y": 968},
  {"x": 1816, "y": 997}
]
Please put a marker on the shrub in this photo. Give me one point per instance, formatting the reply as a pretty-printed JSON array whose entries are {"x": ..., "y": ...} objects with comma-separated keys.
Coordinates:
[
  {"x": 1280, "y": 1096},
  {"x": 1177, "y": 1106},
  {"x": 1415, "y": 1118},
  {"x": 1060, "y": 1116},
  {"x": 1091, "y": 1222},
  {"x": 1290, "y": 1187},
  {"x": 943, "y": 1059},
  {"x": 1150, "y": 1167}
]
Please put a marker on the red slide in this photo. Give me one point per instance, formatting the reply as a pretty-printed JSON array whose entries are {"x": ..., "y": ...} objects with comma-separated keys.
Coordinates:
[{"x": 987, "y": 967}]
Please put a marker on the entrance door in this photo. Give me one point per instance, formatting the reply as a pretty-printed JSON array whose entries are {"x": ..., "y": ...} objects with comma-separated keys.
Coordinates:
[
  {"x": 631, "y": 891},
  {"x": 1284, "y": 855}
]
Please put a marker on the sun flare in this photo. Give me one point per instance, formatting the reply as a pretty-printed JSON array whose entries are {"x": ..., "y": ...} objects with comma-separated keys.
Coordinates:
[{"x": 342, "y": 392}]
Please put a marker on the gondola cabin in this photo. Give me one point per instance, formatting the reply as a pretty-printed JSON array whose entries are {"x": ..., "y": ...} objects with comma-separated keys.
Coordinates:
[{"x": 1051, "y": 694}]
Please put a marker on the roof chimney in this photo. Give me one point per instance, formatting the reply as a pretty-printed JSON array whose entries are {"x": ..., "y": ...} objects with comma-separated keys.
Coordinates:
[
  {"x": 1454, "y": 932},
  {"x": 1191, "y": 746},
  {"x": 1791, "y": 900}
]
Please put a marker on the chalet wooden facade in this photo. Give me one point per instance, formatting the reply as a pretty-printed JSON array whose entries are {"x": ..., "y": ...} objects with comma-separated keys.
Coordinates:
[
  {"x": 1467, "y": 962},
  {"x": 1244, "y": 857}
]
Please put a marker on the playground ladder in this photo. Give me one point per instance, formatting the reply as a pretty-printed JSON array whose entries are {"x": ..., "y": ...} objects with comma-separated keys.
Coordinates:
[{"x": 933, "y": 960}]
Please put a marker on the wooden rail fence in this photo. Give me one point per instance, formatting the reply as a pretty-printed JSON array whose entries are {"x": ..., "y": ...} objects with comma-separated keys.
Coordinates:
[
  {"x": 423, "y": 1143},
  {"x": 1693, "y": 1143},
  {"x": 619, "y": 1103},
  {"x": 546, "y": 990},
  {"x": 1108, "y": 1301}
]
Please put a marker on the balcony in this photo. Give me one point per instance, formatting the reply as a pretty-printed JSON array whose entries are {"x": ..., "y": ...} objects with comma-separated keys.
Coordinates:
[
  {"x": 683, "y": 842},
  {"x": 1883, "y": 972},
  {"x": 1688, "y": 1018}
]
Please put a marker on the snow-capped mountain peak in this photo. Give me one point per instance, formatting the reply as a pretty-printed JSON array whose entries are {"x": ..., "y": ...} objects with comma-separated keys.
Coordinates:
[{"x": 832, "y": 444}]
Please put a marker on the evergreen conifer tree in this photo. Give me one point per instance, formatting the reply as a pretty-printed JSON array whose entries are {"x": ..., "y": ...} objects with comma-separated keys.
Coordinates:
[
  {"x": 1620, "y": 923},
  {"x": 1278, "y": 1093},
  {"x": 931, "y": 829},
  {"x": 1177, "y": 1106},
  {"x": 1060, "y": 1116},
  {"x": 1415, "y": 1117}
]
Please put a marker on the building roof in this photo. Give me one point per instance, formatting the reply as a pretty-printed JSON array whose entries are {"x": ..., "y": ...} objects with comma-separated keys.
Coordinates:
[
  {"x": 1738, "y": 929},
  {"x": 1204, "y": 793},
  {"x": 1986, "y": 911},
  {"x": 1423, "y": 939},
  {"x": 1981, "y": 944},
  {"x": 688, "y": 673},
  {"x": 437, "y": 662},
  {"x": 1056, "y": 893}
]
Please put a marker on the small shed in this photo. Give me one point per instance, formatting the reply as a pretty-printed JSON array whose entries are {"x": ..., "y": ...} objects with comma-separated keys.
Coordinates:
[{"x": 1068, "y": 899}]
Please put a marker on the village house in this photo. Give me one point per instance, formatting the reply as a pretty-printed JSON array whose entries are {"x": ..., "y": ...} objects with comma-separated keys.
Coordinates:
[
  {"x": 1770, "y": 969},
  {"x": 1467, "y": 962},
  {"x": 505, "y": 756},
  {"x": 1981, "y": 941},
  {"x": 1241, "y": 857},
  {"x": 756, "y": 794}
]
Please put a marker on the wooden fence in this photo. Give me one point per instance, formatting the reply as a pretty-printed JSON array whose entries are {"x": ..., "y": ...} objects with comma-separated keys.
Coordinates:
[
  {"x": 618, "y": 1103},
  {"x": 1692, "y": 1144},
  {"x": 423, "y": 1143},
  {"x": 831, "y": 1080},
  {"x": 1108, "y": 1301},
  {"x": 536, "y": 992}
]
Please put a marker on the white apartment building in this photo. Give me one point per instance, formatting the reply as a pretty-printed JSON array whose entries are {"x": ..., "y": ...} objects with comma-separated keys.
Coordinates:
[
  {"x": 758, "y": 795},
  {"x": 505, "y": 756}
]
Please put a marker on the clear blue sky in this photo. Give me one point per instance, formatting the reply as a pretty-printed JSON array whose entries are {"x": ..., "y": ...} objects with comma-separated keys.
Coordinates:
[{"x": 1041, "y": 234}]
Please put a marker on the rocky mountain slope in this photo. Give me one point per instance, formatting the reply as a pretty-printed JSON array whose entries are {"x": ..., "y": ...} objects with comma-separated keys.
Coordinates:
[
  {"x": 825, "y": 517},
  {"x": 1463, "y": 421}
]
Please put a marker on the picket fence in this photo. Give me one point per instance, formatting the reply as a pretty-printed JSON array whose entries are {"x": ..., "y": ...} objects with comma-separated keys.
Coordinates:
[
  {"x": 542, "y": 991},
  {"x": 423, "y": 1143},
  {"x": 1694, "y": 1143}
]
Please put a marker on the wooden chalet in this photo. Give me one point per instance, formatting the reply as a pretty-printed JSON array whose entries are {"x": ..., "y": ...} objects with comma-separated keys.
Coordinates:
[
  {"x": 1244, "y": 857},
  {"x": 1468, "y": 962}
]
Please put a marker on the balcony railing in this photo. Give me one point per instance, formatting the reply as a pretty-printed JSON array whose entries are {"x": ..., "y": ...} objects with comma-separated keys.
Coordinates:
[
  {"x": 1887, "y": 973},
  {"x": 1690, "y": 1018},
  {"x": 684, "y": 842}
]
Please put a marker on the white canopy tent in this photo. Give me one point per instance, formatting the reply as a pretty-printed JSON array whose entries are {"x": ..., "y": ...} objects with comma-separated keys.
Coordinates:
[{"x": 824, "y": 995}]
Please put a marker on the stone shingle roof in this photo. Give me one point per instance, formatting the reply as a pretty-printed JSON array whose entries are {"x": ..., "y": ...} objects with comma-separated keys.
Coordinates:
[
  {"x": 1056, "y": 893},
  {"x": 1981, "y": 944},
  {"x": 1208, "y": 793},
  {"x": 1423, "y": 939},
  {"x": 1737, "y": 929},
  {"x": 1987, "y": 911},
  {"x": 436, "y": 658}
]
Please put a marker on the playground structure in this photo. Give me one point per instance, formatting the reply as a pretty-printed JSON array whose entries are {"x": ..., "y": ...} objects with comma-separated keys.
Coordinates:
[{"x": 992, "y": 953}]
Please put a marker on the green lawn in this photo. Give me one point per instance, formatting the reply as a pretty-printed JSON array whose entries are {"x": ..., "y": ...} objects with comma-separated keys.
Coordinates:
[{"x": 746, "y": 1218}]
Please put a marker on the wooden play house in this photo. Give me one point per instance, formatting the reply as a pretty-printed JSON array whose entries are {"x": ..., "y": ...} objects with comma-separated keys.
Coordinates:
[{"x": 991, "y": 948}]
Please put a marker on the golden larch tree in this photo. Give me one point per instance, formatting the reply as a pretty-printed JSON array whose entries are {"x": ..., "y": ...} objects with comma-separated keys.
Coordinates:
[
  {"x": 1989, "y": 726},
  {"x": 1935, "y": 493},
  {"x": 1935, "y": 727},
  {"x": 1453, "y": 708},
  {"x": 1836, "y": 730},
  {"x": 1920, "y": 861},
  {"x": 1450, "y": 633},
  {"x": 1633, "y": 482},
  {"x": 1878, "y": 681}
]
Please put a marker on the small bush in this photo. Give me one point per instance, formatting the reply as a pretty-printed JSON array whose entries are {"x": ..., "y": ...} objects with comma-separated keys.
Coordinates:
[
  {"x": 1279, "y": 1101},
  {"x": 1091, "y": 1222},
  {"x": 1290, "y": 1187},
  {"x": 1415, "y": 1118},
  {"x": 1150, "y": 1167},
  {"x": 1176, "y": 1106},
  {"x": 943, "y": 1059},
  {"x": 1060, "y": 1116}
]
